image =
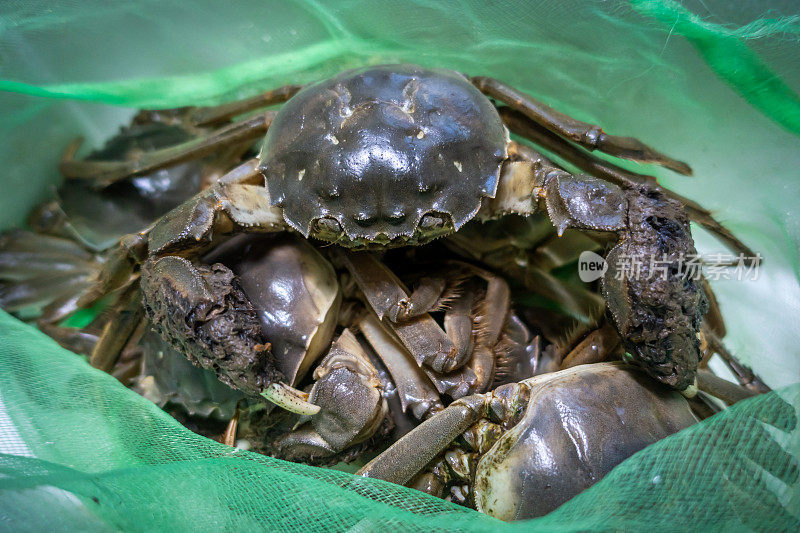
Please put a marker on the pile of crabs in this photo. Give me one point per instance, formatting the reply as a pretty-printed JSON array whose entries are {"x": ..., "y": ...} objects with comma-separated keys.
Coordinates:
[{"x": 376, "y": 272}]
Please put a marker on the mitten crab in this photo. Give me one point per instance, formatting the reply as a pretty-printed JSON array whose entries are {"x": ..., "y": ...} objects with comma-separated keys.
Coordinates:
[
  {"x": 259, "y": 310},
  {"x": 397, "y": 155},
  {"x": 523, "y": 449}
]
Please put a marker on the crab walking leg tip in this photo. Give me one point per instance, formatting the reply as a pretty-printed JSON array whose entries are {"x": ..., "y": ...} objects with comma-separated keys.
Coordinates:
[
  {"x": 229, "y": 437},
  {"x": 290, "y": 399},
  {"x": 691, "y": 390}
]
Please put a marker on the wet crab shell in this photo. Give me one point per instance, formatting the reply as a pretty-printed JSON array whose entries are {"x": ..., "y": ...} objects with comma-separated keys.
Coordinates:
[
  {"x": 167, "y": 376},
  {"x": 578, "y": 425},
  {"x": 377, "y": 148}
]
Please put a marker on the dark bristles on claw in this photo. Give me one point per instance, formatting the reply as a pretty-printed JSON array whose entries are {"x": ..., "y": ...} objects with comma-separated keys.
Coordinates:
[
  {"x": 570, "y": 337},
  {"x": 453, "y": 290},
  {"x": 514, "y": 358},
  {"x": 482, "y": 314}
]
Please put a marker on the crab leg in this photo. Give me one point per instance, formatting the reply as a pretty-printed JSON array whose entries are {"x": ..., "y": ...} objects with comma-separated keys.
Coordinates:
[
  {"x": 414, "y": 389},
  {"x": 424, "y": 298},
  {"x": 595, "y": 166},
  {"x": 430, "y": 346},
  {"x": 109, "y": 171},
  {"x": 721, "y": 388},
  {"x": 744, "y": 374},
  {"x": 205, "y": 116},
  {"x": 458, "y": 324},
  {"x": 409, "y": 455},
  {"x": 73, "y": 339},
  {"x": 129, "y": 363},
  {"x": 36, "y": 291},
  {"x": 47, "y": 272},
  {"x": 714, "y": 321},
  {"x": 494, "y": 305},
  {"x": 128, "y": 314},
  {"x": 586, "y": 135},
  {"x": 43, "y": 271}
]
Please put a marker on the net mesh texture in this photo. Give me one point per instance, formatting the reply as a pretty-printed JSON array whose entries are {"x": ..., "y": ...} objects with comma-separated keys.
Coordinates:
[{"x": 714, "y": 83}]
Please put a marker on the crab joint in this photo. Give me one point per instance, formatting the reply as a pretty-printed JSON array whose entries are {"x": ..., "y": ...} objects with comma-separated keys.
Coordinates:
[{"x": 290, "y": 399}]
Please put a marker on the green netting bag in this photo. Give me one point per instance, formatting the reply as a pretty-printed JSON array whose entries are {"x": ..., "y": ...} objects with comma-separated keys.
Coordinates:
[{"x": 712, "y": 82}]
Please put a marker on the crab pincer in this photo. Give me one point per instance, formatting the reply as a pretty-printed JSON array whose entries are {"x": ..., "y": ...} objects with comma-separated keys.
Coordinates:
[
  {"x": 654, "y": 303},
  {"x": 203, "y": 313}
]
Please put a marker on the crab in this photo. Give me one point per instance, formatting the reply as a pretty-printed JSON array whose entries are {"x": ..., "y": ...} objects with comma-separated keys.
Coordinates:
[
  {"x": 71, "y": 232},
  {"x": 97, "y": 213},
  {"x": 399, "y": 155},
  {"x": 523, "y": 449},
  {"x": 260, "y": 305}
]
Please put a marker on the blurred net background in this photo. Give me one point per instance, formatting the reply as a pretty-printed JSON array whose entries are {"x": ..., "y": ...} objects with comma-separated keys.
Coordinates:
[{"x": 714, "y": 83}]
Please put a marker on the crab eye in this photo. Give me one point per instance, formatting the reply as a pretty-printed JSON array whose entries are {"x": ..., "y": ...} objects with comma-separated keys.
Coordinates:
[
  {"x": 328, "y": 225},
  {"x": 431, "y": 221},
  {"x": 364, "y": 219}
]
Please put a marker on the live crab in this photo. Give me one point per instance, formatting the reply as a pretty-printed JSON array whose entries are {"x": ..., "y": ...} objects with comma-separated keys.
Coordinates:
[{"x": 399, "y": 155}]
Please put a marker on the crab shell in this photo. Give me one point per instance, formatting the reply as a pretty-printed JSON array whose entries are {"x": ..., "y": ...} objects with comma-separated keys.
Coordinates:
[
  {"x": 578, "y": 425},
  {"x": 377, "y": 149},
  {"x": 169, "y": 377}
]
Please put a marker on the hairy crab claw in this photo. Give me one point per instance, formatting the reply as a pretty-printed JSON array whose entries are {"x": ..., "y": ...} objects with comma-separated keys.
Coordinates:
[{"x": 203, "y": 312}]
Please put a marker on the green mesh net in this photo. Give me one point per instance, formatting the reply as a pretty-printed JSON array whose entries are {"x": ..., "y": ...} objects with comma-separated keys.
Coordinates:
[{"x": 714, "y": 83}]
